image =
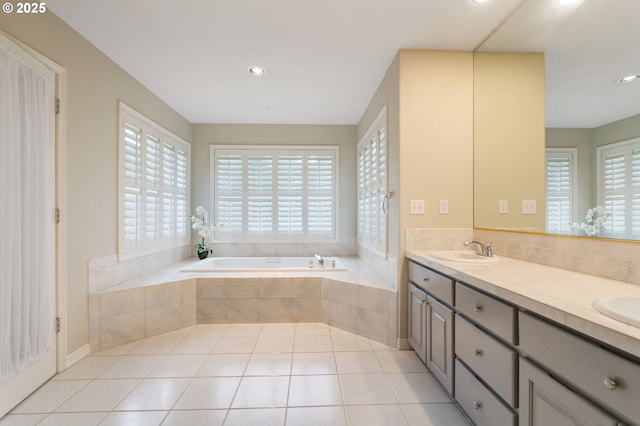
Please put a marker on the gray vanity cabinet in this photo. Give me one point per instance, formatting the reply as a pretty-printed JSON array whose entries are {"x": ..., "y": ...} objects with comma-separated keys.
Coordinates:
[
  {"x": 544, "y": 401},
  {"x": 431, "y": 321},
  {"x": 418, "y": 321}
]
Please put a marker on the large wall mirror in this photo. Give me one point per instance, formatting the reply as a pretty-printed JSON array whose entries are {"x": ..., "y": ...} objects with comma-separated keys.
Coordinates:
[{"x": 589, "y": 156}]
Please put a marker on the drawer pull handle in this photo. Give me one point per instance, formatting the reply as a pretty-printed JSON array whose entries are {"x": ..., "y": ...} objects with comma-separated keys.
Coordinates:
[
  {"x": 426, "y": 279},
  {"x": 477, "y": 308},
  {"x": 478, "y": 352},
  {"x": 477, "y": 405},
  {"x": 610, "y": 383}
]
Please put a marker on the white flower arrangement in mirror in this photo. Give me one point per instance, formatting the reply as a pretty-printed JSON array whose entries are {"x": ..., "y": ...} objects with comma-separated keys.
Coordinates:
[{"x": 594, "y": 221}]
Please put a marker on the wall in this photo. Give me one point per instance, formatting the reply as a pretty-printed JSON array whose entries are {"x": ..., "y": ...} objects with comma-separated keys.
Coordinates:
[
  {"x": 94, "y": 86},
  {"x": 508, "y": 139},
  {"x": 344, "y": 136}
]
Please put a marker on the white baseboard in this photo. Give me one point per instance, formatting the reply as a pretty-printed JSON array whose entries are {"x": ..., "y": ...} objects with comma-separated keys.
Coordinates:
[{"x": 76, "y": 356}]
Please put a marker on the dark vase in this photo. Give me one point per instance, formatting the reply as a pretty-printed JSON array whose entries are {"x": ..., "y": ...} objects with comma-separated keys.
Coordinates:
[{"x": 203, "y": 254}]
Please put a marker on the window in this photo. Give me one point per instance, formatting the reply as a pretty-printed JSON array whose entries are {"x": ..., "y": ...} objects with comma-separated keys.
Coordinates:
[
  {"x": 561, "y": 187},
  {"x": 372, "y": 186},
  {"x": 619, "y": 187},
  {"x": 154, "y": 186},
  {"x": 267, "y": 193}
]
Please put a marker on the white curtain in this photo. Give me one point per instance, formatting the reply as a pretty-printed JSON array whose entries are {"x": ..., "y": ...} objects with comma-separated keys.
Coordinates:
[{"x": 27, "y": 186}]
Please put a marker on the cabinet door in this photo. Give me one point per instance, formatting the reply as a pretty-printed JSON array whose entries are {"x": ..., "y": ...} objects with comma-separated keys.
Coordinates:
[
  {"x": 544, "y": 401},
  {"x": 440, "y": 342},
  {"x": 417, "y": 321}
]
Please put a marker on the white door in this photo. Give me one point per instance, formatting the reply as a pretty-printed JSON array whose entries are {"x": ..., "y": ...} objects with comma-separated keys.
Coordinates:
[{"x": 28, "y": 344}]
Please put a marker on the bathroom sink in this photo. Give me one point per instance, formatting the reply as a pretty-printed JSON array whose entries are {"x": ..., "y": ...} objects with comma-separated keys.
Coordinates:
[
  {"x": 625, "y": 309},
  {"x": 465, "y": 256}
]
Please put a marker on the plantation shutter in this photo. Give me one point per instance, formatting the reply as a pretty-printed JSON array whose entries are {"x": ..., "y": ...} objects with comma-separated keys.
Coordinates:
[
  {"x": 560, "y": 188},
  {"x": 154, "y": 182},
  {"x": 275, "y": 192},
  {"x": 614, "y": 194}
]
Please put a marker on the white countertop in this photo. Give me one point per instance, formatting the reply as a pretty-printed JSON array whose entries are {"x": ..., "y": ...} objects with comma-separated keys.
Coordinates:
[{"x": 560, "y": 295}]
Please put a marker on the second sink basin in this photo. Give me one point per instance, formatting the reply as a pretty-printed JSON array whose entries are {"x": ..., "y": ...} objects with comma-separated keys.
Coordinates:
[
  {"x": 625, "y": 309},
  {"x": 466, "y": 256}
]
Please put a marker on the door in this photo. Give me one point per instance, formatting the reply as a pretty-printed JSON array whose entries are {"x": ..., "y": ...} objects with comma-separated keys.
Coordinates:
[
  {"x": 440, "y": 342},
  {"x": 418, "y": 321},
  {"x": 28, "y": 344}
]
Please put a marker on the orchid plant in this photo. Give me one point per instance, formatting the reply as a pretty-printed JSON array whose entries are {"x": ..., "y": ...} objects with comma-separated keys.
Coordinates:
[
  {"x": 594, "y": 221},
  {"x": 200, "y": 222}
]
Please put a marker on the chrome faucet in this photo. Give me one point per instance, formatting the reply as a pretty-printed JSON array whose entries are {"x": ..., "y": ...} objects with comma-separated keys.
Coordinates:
[
  {"x": 485, "y": 250},
  {"x": 320, "y": 260}
]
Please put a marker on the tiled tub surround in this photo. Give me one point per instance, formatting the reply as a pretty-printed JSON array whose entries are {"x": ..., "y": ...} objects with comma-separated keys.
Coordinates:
[
  {"x": 357, "y": 300},
  {"x": 562, "y": 296}
]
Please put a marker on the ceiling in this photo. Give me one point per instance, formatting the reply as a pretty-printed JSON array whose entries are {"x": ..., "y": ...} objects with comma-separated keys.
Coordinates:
[{"x": 324, "y": 59}]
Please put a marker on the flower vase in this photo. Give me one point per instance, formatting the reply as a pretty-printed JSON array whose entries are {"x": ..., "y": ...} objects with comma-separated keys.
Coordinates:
[{"x": 203, "y": 254}]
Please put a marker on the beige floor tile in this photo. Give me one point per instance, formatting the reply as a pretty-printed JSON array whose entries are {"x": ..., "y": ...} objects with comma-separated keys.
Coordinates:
[
  {"x": 314, "y": 390},
  {"x": 196, "y": 345},
  {"x": 274, "y": 344},
  {"x": 99, "y": 395},
  {"x": 434, "y": 415},
  {"x": 376, "y": 415},
  {"x": 262, "y": 417},
  {"x": 156, "y": 345},
  {"x": 244, "y": 330},
  {"x": 134, "y": 418},
  {"x": 119, "y": 350},
  {"x": 73, "y": 419},
  {"x": 312, "y": 329},
  {"x": 195, "y": 418},
  {"x": 269, "y": 365},
  {"x": 208, "y": 393},
  {"x": 366, "y": 389},
  {"x": 312, "y": 343},
  {"x": 21, "y": 419},
  {"x": 357, "y": 362},
  {"x": 50, "y": 396},
  {"x": 416, "y": 388},
  {"x": 178, "y": 366},
  {"x": 209, "y": 330},
  {"x": 235, "y": 344},
  {"x": 316, "y": 416},
  {"x": 132, "y": 366},
  {"x": 400, "y": 362},
  {"x": 350, "y": 342},
  {"x": 313, "y": 363},
  {"x": 89, "y": 368},
  {"x": 261, "y": 392},
  {"x": 224, "y": 365},
  {"x": 154, "y": 394},
  {"x": 278, "y": 330}
]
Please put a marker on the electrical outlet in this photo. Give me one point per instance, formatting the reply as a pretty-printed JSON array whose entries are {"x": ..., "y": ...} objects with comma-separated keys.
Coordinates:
[
  {"x": 528, "y": 206},
  {"x": 417, "y": 206},
  {"x": 444, "y": 206},
  {"x": 503, "y": 206}
]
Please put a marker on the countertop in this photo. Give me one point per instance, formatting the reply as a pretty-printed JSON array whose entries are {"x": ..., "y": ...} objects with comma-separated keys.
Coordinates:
[{"x": 560, "y": 295}]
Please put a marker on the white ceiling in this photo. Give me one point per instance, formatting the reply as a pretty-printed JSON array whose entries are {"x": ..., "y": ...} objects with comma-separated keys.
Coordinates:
[{"x": 324, "y": 59}]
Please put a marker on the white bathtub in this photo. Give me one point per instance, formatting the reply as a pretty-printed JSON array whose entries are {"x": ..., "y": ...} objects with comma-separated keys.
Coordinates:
[{"x": 256, "y": 264}]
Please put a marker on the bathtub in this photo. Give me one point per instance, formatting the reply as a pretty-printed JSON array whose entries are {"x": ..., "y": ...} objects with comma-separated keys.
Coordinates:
[{"x": 256, "y": 264}]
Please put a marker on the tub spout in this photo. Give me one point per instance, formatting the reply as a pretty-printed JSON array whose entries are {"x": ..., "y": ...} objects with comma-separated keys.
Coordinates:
[{"x": 320, "y": 260}]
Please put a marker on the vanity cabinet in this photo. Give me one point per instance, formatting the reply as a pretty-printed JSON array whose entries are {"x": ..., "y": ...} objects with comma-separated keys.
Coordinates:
[{"x": 431, "y": 321}]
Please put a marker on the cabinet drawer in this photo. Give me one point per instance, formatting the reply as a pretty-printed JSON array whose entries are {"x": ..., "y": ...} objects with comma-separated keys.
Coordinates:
[
  {"x": 439, "y": 286},
  {"x": 601, "y": 375},
  {"x": 478, "y": 402},
  {"x": 490, "y": 313},
  {"x": 491, "y": 360}
]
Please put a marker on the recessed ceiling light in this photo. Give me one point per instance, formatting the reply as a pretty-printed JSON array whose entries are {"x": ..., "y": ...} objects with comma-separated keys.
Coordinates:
[
  {"x": 629, "y": 78},
  {"x": 479, "y": 1},
  {"x": 257, "y": 71}
]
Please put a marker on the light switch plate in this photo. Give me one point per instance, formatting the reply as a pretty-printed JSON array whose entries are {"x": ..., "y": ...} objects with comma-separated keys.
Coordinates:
[
  {"x": 529, "y": 207},
  {"x": 503, "y": 206},
  {"x": 417, "y": 206},
  {"x": 444, "y": 206}
]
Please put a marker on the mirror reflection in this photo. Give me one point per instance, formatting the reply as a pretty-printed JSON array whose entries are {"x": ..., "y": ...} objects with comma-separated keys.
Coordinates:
[{"x": 592, "y": 110}]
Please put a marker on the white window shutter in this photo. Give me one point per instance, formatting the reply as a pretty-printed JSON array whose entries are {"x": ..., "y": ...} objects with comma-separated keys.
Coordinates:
[{"x": 560, "y": 190}]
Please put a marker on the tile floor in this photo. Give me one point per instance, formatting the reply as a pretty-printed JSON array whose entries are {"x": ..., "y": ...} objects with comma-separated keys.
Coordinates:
[{"x": 243, "y": 374}]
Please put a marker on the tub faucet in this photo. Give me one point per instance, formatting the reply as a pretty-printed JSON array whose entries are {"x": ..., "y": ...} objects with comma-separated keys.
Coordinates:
[
  {"x": 320, "y": 260},
  {"x": 485, "y": 250}
]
